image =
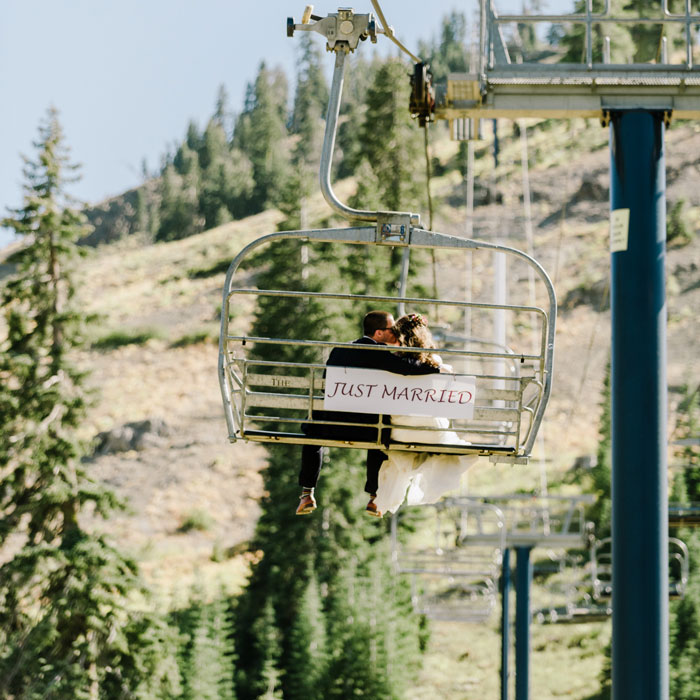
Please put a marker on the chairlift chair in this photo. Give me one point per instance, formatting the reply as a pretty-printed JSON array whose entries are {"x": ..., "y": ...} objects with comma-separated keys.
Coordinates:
[
  {"x": 678, "y": 568},
  {"x": 450, "y": 581},
  {"x": 455, "y": 598},
  {"x": 270, "y": 401},
  {"x": 442, "y": 546}
]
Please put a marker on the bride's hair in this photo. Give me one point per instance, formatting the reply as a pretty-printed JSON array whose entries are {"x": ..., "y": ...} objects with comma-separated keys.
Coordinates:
[{"x": 413, "y": 332}]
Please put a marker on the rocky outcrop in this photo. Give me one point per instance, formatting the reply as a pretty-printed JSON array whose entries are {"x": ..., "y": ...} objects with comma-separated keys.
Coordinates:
[{"x": 139, "y": 435}]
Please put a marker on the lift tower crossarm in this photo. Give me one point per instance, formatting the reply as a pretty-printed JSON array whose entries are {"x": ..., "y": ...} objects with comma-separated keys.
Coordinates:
[{"x": 501, "y": 87}]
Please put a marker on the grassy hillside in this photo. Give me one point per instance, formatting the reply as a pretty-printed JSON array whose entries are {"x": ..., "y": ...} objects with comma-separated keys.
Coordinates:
[{"x": 194, "y": 497}]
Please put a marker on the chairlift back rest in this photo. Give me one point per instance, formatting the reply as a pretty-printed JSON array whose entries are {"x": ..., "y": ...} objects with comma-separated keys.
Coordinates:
[{"x": 284, "y": 407}]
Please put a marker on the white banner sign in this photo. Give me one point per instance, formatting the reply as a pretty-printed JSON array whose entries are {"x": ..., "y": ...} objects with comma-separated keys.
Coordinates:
[{"x": 358, "y": 390}]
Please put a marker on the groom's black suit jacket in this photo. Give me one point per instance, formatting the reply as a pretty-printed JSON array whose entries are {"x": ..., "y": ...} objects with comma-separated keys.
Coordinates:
[{"x": 368, "y": 359}]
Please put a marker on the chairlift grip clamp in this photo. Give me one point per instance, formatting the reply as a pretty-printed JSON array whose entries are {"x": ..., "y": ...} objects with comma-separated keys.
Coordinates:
[
  {"x": 394, "y": 228},
  {"x": 343, "y": 30}
]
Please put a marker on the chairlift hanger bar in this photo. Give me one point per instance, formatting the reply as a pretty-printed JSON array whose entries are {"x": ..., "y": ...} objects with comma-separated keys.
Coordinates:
[{"x": 343, "y": 31}]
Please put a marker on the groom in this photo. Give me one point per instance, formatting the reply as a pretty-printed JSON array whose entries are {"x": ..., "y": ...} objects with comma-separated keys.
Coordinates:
[{"x": 377, "y": 327}]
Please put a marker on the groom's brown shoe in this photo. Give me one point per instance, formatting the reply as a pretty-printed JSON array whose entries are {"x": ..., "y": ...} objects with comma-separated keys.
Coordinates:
[
  {"x": 307, "y": 504},
  {"x": 371, "y": 508}
]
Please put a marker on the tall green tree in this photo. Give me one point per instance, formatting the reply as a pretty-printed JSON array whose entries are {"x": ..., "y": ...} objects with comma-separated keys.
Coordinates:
[
  {"x": 311, "y": 95},
  {"x": 358, "y": 78},
  {"x": 260, "y": 132},
  {"x": 449, "y": 53},
  {"x": 391, "y": 142},
  {"x": 207, "y": 655},
  {"x": 308, "y": 126},
  {"x": 684, "y": 637},
  {"x": 308, "y": 646},
  {"x": 67, "y": 625},
  {"x": 179, "y": 215},
  {"x": 223, "y": 115},
  {"x": 226, "y": 178}
]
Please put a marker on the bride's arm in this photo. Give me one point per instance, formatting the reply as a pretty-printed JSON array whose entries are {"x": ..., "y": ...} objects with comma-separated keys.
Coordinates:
[{"x": 444, "y": 368}]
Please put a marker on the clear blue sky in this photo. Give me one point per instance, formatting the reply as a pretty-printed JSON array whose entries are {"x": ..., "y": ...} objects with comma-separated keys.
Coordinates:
[{"x": 128, "y": 75}]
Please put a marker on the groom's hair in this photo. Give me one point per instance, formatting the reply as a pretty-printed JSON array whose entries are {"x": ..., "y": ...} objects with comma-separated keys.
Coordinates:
[{"x": 375, "y": 321}]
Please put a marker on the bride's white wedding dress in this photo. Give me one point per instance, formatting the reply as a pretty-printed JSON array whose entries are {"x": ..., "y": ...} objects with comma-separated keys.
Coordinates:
[{"x": 420, "y": 477}]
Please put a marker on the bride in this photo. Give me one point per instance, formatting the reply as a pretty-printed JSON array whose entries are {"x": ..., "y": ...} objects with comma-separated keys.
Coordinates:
[{"x": 420, "y": 477}]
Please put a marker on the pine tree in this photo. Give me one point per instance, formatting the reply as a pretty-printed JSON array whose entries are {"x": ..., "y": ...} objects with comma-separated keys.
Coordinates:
[
  {"x": 307, "y": 637},
  {"x": 222, "y": 112},
  {"x": 450, "y": 53},
  {"x": 67, "y": 628},
  {"x": 260, "y": 133},
  {"x": 349, "y": 152},
  {"x": 179, "y": 208},
  {"x": 354, "y": 611},
  {"x": 311, "y": 96},
  {"x": 227, "y": 178},
  {"x": 391, "y": 142},
  {"x": 207, "y": 656},
  {"x": 193, "y": 139},
  {"x": 310, "y": 101},
  {"x": 186, "y": 160},
  {"x": 214, "y": 144}
]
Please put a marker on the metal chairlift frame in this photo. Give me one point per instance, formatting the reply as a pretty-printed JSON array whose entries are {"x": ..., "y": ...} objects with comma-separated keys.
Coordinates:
[
  {"x": 601, "y": 564},
  {"x": 576, "y": 590},
  {"x": 501, "y": 87},
  {"x": 451, "y": 552},
  {"x": 548, "y": 521},
  {"x": 239, "y": 375},
  {"x": 534, "y": 521},
  {"x": 684, "y": 514},
  {"x": 454, "y": 599},
  {"x": 453, "y": 583}
]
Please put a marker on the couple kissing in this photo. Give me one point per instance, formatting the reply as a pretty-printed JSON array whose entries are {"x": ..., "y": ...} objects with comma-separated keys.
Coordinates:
[{"x": 391, "y": 476}]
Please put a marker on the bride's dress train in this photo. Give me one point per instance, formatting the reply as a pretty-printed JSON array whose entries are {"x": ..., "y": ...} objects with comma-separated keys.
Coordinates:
[{"x": 420, "y": 477}]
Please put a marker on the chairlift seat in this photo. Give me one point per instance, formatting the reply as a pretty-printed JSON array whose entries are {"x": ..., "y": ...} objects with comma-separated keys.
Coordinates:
[{"x": 441, "y": 448}]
